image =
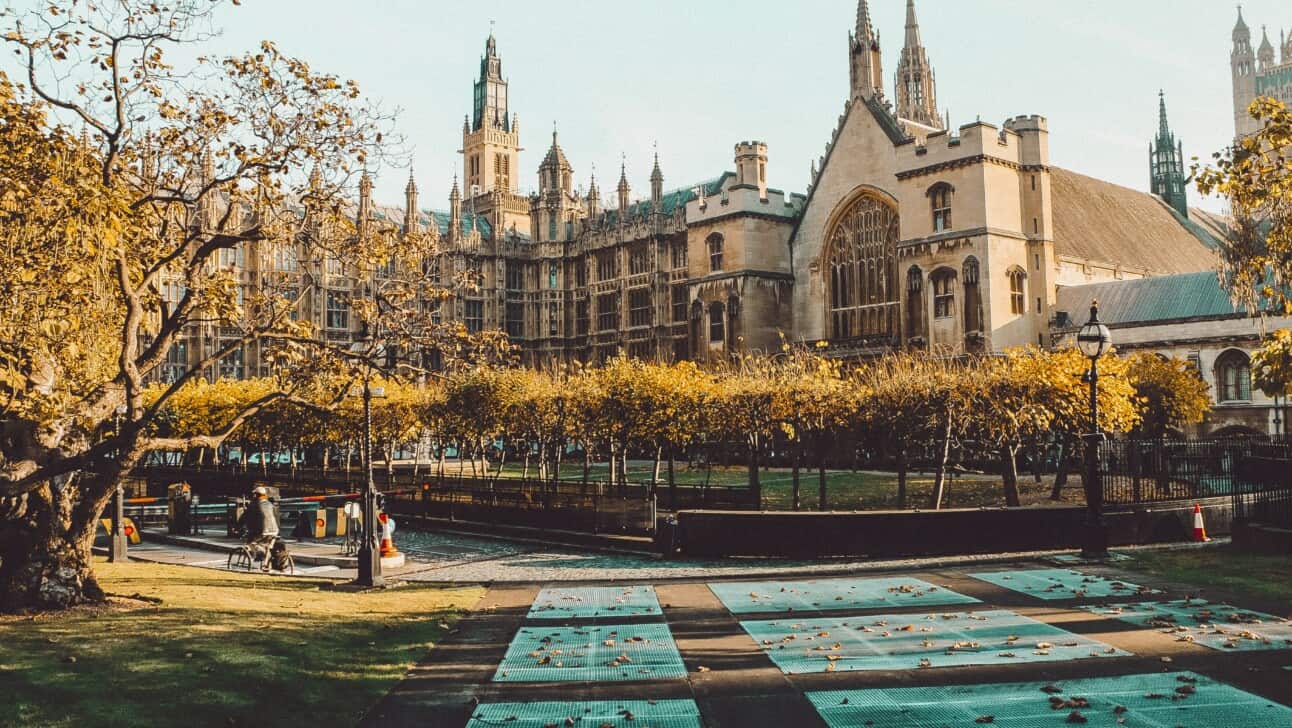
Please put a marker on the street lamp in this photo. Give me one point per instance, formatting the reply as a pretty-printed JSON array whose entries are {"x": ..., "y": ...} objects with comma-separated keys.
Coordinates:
[
  {"x": 1094, "y": 340},
  {"x": 118, "y": 543},
  {"x": 370, "y": 546}
]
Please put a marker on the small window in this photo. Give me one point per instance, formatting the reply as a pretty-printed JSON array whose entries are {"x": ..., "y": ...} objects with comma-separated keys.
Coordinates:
[
  {"x": 553, "y": 319},
  {"x": 474, "y": 316},
  {"x": 1234, "y": 377},
  {"x": 1034, "y": 183},
  {"x": 717, "y": 323},
  {"x": 1017, "y": 294},
  {"x": 552, "y": 271},
  {"x": 944, "y": 296},
  {"x": 679, "y": 254},
  {"x": 681, "y": 299},
  {"x": 715, "y": 252},
  {"x": 1036, "y": 261},
  {"x": 940, "y": 199},
  {"x": 608, "y": 312},
  {"x": 639, "y": 259},
  {"x": 515, "y": 319},
  {"x": 338, "y": 311},
  {"x": 607, "y": 265},
  {"x": 639, "y": 307}
]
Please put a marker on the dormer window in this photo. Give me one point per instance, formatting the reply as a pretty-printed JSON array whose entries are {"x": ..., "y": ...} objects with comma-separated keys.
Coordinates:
[{"x": 940, "y": 200}]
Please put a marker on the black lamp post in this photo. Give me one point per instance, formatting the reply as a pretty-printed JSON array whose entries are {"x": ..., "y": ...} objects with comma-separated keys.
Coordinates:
[
  {"x": 1094, "y": 340},
  {"x": 370, "y": 547},
  {"x": 118, "y": 543}
]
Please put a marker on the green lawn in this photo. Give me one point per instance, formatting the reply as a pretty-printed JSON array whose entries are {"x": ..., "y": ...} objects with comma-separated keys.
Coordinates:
[
  {"x": 218, "y": 650},
  {"x": 1222, "y": 568}
]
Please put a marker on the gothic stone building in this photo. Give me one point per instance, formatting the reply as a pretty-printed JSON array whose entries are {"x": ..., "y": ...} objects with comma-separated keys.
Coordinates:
[{"x": 912, "y": 234}]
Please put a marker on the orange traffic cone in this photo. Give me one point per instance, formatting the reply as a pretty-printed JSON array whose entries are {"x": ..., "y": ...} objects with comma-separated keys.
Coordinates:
[
  {"x": 1199, "y": 530},
  {"x": 387, "y": 542}
]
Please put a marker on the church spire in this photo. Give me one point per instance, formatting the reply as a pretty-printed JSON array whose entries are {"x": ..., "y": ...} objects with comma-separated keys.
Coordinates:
[
  {"x": 912, "y": 26},
  {"x": 412, "y": 222},
  {"x": 623, "y": 189},
  {"x": 1265, "y": 55},
  {"x": 657, "y": 184},
  {"x": 916, "y": 82},
  {"x": 1166, "y": 164},
  {"x": 455, "y": 209},
  {"x": 865, "y": 58}
]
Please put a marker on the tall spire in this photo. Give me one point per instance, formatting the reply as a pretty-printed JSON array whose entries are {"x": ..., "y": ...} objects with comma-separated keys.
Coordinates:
[
  {"x": 864, "y": 27},
  {"x": 865, "y": 58},
  {"x": 365, "y": 202},
  {"x": 1166, "y": 164},
  {"x": 916, "y": 82},
  {"x": 1163, "y": 127},
  {"x": 455, "y": 209},
  {"x": 912, "y": 26},
  {"x": 623, "y": 187},
  {"x": 412, "y": 221},
  {"x": 1265, "y": 55},
  {"x": 657, "y": 184}
]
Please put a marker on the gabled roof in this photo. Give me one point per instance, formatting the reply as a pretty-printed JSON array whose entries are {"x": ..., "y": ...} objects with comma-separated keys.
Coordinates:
[
  {"x": 1148, "y": 300},
  {"x": 1106, "y": 223}
]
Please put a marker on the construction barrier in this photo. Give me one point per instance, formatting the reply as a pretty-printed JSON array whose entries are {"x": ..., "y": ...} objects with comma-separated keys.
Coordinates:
[
  {"x": 323, "y": 523},
  {"x": 103, "y": 536}
]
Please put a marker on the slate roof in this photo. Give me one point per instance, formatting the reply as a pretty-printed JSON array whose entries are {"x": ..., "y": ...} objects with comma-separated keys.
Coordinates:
[
  {"x": 395, "y": 215},
  {"x": 1148, "y": 300},
  {"x": 685, "y": 195},
  {"x": 1102, "y": 222}
]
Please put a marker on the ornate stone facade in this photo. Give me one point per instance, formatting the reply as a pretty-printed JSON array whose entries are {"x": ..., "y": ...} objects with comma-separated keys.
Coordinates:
[{"x": 1257, "y": 73}]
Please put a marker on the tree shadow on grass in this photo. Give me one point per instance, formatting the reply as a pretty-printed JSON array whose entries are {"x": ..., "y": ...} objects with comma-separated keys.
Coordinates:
[{"x": 194, "y": 667}]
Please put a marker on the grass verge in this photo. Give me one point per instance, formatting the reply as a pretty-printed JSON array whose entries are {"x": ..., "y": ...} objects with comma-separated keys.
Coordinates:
[
  {"x": 1223, "y": 568},
  {"x": 218, "y": 649}
]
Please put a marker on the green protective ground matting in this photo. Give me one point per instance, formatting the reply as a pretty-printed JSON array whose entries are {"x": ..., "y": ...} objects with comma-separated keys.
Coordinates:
[
  {"x": 610, "y": 653},
  {"x": 622, "y": 714},
  {"x": 912, "y": 641},
  {"x": 594, "y": 602},
  {"x": 1165, "y": 700},
  {"x": 1218, "y": 626},
  {"x": 777, "y": 597},
  {"x": 1061, "y": 584}
]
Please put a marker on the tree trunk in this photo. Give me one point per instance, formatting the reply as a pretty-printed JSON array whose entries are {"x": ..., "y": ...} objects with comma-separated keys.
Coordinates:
[
  {"x": 1061, "y": 472},
  {"x": 659, "y": 458},
  {"x": 901, "y": 479},
  {"x": 1009, "y": 474},
  {"x": 823, "y": 503},
  {"x": 940, "y": 480},
  {"x": 795, "y": 488},
  {"x": 755, "y": 485},
  {"x": 45, "y": 558},
  {"x": 672, "y": 480}
]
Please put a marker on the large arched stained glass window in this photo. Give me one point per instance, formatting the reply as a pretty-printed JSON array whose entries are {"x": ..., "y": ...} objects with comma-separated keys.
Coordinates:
[{"x": 860, "y": 271}]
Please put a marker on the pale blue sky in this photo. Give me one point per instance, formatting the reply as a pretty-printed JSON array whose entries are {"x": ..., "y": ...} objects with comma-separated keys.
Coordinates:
[{"x": 699, "y": 76}]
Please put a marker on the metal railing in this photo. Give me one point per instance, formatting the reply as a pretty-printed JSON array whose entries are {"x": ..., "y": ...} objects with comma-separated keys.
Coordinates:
[
  {"x": 1264, "y": 494},
  {"x": 1152, "y": 471}
]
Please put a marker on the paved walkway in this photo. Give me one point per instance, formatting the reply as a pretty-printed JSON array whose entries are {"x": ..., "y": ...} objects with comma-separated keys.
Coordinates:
[
  {"x": 734, "y": 682},
  {"x": 448, "y": 557}
]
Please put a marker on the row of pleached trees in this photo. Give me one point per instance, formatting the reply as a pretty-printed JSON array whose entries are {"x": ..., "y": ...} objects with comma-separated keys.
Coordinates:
[{"x": 806, "y": 405}]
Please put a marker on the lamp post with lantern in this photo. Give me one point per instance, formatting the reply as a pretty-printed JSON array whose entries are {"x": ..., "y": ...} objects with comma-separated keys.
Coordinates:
[
  {"x": 1094, "y": 340},
  {"x": 369, "y": 548}
]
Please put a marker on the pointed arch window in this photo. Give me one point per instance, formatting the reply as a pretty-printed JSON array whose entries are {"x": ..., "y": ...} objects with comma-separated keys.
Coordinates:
[
  {"x": 915, "y": 302},
  {"x": 940, "y": 196},
  {"x": 973, "y": 295},
  {"x": 1234, "y": 377},
  {"x": 860, "y": 270},
  {"x": 943, "y": 281},
  {"x": 1017, "y": 291}
]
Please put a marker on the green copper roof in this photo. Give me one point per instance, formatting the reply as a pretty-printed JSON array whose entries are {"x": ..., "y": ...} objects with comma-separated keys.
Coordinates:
[
  {"x": 1164, "y": 298},
  {"x": 441, "y": 220},
  {"x": 1271, "y": 81}
]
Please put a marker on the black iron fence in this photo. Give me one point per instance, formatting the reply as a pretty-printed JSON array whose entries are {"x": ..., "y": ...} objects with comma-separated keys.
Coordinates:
[
  {"x": 1264, "y": 494},
  {"x": 1150, "y": 471},
  {"x": 593, "y": 507}
]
